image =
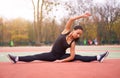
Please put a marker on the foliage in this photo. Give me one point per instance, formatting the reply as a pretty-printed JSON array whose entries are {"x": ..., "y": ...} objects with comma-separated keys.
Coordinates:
[{"x": 104, "y": 24}]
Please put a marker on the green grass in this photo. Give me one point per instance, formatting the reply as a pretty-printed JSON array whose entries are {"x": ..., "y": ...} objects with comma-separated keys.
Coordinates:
[{"x": 4, "y": 58}]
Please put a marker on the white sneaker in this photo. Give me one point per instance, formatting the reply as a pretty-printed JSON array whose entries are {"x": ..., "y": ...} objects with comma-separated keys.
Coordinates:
[{"x": 102, "y": 56}]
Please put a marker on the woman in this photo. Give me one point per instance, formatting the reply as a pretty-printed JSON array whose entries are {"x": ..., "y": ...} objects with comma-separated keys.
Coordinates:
[{"x": 65, "y": 40}]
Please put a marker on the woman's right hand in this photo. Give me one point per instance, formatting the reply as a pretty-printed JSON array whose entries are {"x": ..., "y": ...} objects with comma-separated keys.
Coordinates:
[{"x": 86, "y": 15}]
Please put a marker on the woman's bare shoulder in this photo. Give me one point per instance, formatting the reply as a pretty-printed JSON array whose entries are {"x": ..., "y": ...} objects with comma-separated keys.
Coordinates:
[{"x": 65, "y": 31}]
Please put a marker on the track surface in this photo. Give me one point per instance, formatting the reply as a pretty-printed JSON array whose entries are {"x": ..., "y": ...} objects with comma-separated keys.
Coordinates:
[{"x": 110, "y": 68}]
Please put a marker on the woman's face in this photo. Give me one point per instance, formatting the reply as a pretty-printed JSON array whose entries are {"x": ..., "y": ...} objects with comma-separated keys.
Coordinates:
[{"x": 77, "y": 33}]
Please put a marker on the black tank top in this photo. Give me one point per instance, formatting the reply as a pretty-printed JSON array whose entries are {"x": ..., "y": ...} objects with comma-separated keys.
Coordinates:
[{"x": 60, "y": 45}]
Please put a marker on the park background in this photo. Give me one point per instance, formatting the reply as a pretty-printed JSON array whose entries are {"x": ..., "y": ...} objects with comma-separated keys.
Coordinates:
[
  {"x": 28, "y": 26},
  {"x": 50, "y": 16}
]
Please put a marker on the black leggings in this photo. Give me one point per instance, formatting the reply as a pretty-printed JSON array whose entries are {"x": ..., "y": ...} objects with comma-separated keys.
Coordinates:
[{"x": 50, "y": 57}]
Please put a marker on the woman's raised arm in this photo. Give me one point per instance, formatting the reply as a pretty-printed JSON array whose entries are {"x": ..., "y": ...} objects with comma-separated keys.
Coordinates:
[{"x": 72, "y": 19}]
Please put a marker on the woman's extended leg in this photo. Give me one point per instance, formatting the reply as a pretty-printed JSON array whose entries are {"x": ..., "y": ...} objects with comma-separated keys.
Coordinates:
[
  {"x": 43, "y": 57},
  {"x": 81, "y": 58},
  {"x": 88, "y": 58},
  {"x": 85, "y": 58}
]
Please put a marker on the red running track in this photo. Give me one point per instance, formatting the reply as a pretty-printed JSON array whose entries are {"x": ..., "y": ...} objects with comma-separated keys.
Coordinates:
[{"x": 107, "y": 69}]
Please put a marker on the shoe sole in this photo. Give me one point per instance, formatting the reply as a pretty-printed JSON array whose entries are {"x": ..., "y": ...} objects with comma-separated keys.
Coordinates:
[{"x": 104, "y": 57}]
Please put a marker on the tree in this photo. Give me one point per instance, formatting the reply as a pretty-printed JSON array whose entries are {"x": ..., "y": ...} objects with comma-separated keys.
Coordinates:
[
  {"x": 107, "y": 15},
  {"x": 1, "y": 30},
  {"x": 41, "y": 12}
]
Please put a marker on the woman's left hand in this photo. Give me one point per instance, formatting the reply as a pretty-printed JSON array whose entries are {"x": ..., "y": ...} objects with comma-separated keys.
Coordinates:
[{"x": 58, "y": 61}]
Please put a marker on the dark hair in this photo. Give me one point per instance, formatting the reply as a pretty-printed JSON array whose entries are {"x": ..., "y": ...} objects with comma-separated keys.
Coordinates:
[
  {"x": 78, "y": 27},
  {"x": 77, "y": 39}
]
